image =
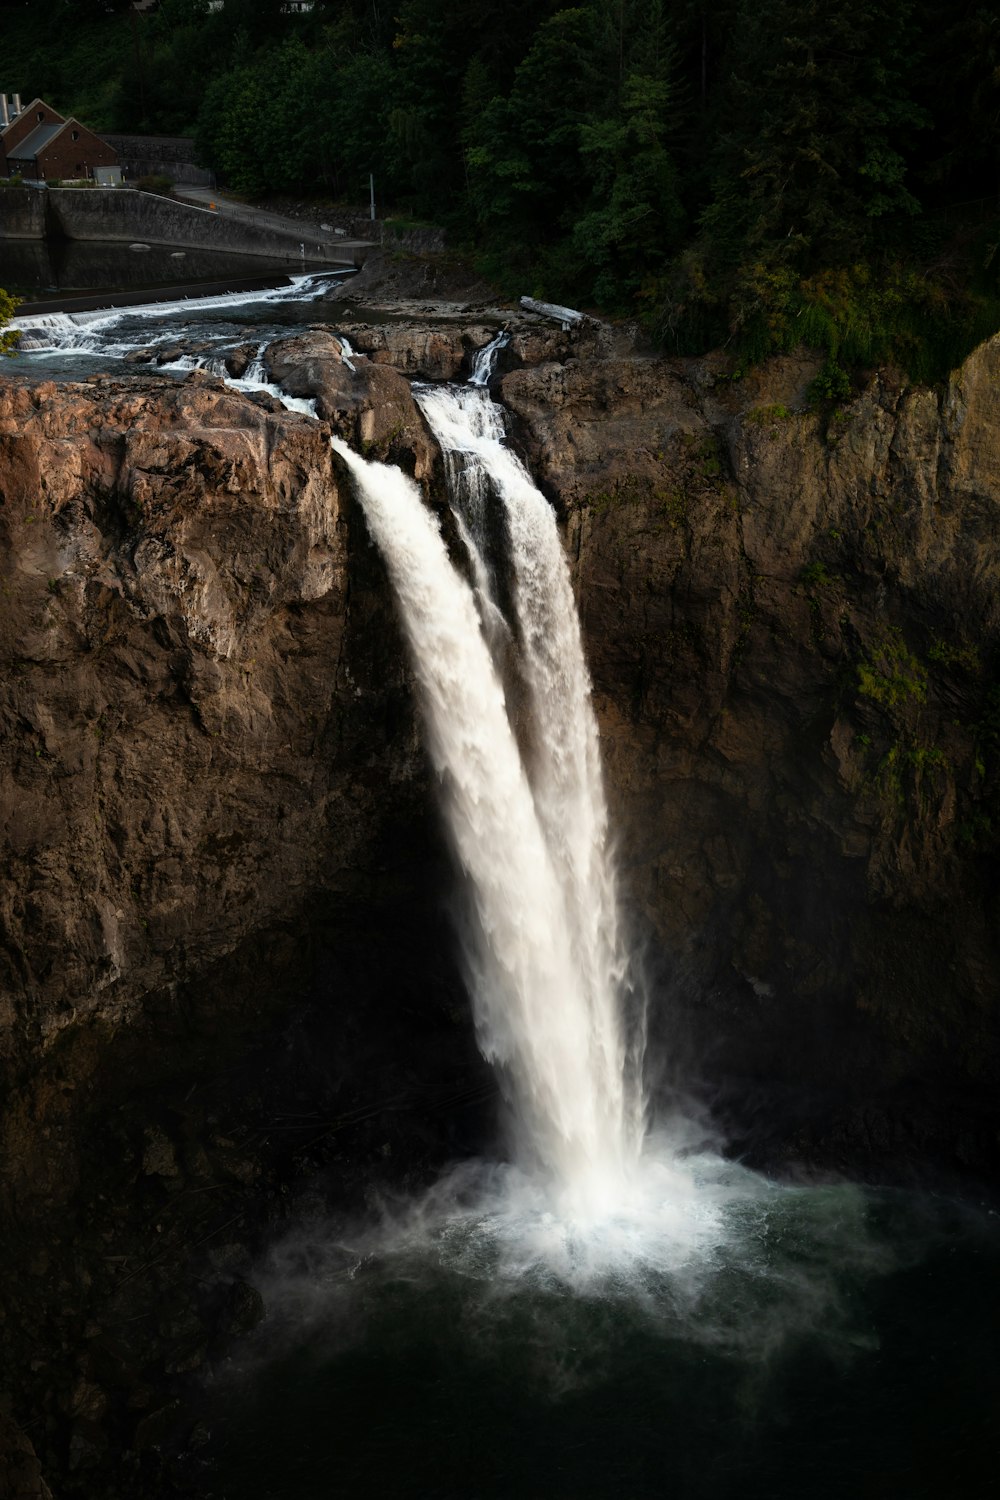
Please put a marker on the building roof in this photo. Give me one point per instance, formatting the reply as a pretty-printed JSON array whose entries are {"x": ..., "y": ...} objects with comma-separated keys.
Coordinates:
[
  {"x": 25, "y": 109},
  {"x": 39, "y": 138}
]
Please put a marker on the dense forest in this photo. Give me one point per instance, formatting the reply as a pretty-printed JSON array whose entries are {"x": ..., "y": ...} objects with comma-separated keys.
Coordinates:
[{"x": 806, "y": 171}]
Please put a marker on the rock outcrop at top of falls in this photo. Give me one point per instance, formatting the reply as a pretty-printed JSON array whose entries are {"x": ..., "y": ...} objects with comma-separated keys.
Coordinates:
[{"x": 791, "y": 620}]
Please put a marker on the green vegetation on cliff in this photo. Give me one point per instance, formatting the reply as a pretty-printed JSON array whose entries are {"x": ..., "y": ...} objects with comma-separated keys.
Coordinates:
[
  {"x": 756, "y": 177},
  {"x": 9, "y": 337}
]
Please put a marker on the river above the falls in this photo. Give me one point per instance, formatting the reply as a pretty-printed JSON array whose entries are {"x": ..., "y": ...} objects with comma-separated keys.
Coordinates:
[{"x": 73, "y": 345}]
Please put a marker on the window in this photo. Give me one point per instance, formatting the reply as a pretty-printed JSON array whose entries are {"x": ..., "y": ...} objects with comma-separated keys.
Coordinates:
[
  {"x": 75, "y": 134},
  {"x": 40, "y": 115}
]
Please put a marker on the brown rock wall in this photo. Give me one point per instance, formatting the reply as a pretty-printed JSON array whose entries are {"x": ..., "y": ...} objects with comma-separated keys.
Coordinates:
[
  {"x": 197, "y": 700},
  {"x": 792, "y": 622}
]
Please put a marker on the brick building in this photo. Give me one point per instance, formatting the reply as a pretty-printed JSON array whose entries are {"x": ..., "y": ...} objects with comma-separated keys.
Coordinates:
[{"x": 41, "y": 145}]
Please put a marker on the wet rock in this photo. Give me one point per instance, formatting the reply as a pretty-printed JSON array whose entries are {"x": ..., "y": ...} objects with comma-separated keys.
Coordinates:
[
  {"x": 88, "y": 1444},
  {"x": 158, "y": 1426},
  {"x": 88, "y": 1401},
  {"x": 205, "y": 378},
  {"x": 159, "y": 1159},
  {"x": 199, "y": 1437},
  {"x": 238, "y": 360},
  {"x": 186, "y": 1357},
  {"x": 439, "y": 341},
  {"x": 230, "y": 1256},
  {"x": 20, "y": 1470},
  {"x": 419, "y": 351},
  {"x": 370, "y": 405},
  {"x": 244, "y": 1309}
]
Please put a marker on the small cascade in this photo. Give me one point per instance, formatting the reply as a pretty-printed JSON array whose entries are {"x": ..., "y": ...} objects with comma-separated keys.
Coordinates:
[
  {"x": 254, "y": 378},
  {"x": 256, "y": 371},
  {"x": 82, "y": 332},
  {"x": 469, "y": 491},
  {"x": 486, "y": 358}
]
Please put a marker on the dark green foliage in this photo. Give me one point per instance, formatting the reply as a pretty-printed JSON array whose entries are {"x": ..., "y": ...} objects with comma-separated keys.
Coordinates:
[
  {"x": 578, "y": 153},
  {"x": 9, "y": 337},
  {"x": 739, "y": 174},
  {"x": 155, "y": 182},
  {"x": 819, "y": 118}
]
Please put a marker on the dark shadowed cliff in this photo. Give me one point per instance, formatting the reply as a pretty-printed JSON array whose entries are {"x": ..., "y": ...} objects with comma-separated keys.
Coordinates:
[
  {"x": 226, "y": 956},
  {"x": 792, "y": 620}
]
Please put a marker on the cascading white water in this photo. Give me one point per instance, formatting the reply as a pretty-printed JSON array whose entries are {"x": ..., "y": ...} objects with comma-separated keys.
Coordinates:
[
  {"x": 485, "y": 361},
  {"x": 254, "y": 378},
  {"x": 564, "y": 767},
  {"x": 545, "y": 959},
  {"x": 92, "y": 332},
  {"x": 546, "y": 964}
]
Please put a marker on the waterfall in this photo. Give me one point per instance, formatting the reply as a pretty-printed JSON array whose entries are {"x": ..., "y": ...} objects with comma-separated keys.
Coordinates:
[
  {"x": 546, "y": 965},
  {"x": 485, "y": 361},
  {"x": 254, "y": 378},
  {"x": 256, "y": 371},
  {"x": 565, "y": 766}
]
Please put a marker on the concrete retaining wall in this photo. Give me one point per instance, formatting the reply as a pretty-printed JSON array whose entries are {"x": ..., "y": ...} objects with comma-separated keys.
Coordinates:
[
  {"x": 124, "y": 215},
  {"x": 22, "y": 214}
]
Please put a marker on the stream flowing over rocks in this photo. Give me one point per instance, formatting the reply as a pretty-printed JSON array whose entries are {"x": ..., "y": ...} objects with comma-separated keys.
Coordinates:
[{"x": 227, "y": 972}]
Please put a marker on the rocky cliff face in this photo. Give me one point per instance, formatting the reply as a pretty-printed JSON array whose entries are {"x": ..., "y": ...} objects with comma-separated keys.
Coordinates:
[
  {"x": 198, "y": 698},
  {"x": 217, "y": 814},
  {"x": 792, "y": 620},
  {"x": 792, "y": 623},
  {"x": 224, "y": 960}
]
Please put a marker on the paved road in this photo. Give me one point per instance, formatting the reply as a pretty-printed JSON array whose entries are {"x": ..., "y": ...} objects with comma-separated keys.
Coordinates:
[{"x": 295, "y": 228}]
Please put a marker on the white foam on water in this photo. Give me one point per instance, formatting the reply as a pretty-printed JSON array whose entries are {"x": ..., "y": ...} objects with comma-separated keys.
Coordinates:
[{"x": 87, "y": 332}]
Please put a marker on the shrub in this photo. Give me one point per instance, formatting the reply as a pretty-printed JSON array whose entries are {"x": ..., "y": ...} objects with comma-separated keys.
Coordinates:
[
  {"x": 10, "y": 337},
  {"x": 156, "y": 182}
]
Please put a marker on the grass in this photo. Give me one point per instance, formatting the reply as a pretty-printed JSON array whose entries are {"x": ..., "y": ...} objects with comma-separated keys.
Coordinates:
[{"x": 892, "y": 675}]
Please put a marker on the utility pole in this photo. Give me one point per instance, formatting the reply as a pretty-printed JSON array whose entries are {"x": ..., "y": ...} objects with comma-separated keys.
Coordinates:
[{"x": 371, "y": 189}]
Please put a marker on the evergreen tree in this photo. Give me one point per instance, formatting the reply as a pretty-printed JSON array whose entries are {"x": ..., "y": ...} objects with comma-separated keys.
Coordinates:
[
  {"x": 819, "y": 119},
  {"x": 961, "y": 158}
]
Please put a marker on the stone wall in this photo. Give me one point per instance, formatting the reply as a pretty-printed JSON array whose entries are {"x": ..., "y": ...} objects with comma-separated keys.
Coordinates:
[{"x": 22, "y": 214}]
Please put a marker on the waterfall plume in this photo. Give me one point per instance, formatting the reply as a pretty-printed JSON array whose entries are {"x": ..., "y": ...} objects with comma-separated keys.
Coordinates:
[{"x": 543, "y": 956}]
